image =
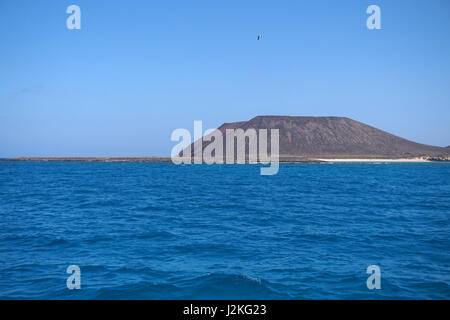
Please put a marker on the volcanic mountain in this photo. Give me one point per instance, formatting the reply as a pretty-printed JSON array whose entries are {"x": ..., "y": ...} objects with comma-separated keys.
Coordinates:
[{"x": 333, "y": 137}]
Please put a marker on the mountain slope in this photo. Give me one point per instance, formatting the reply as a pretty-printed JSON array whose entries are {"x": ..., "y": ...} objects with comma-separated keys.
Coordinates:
[{"x": 334, "y": 137}]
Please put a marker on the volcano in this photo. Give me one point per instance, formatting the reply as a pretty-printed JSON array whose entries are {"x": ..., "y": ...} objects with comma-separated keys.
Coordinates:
[{"x": 334, "y": 137}]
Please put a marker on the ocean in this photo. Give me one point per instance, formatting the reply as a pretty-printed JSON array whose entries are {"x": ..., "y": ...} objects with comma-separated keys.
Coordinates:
[{"x": 162, "y": 231}]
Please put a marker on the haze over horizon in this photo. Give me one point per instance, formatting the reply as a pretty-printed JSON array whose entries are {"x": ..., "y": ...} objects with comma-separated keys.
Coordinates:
[{"x": 138, "y": 70}]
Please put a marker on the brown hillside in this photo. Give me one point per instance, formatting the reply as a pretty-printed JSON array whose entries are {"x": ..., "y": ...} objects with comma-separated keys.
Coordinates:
[{"x": 334, "y": 137}]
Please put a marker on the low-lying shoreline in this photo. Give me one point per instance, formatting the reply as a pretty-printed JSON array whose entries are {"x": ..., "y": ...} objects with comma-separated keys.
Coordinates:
[
  {"x": 281, "y": 159},
  {"x": 134, "y": 159},
  {"x": 92, "y": 159},
  {"x": 377, "y": 160}
]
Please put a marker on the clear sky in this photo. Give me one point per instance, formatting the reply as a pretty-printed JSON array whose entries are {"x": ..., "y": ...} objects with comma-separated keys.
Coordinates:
[{"x": 137, "y": 70}]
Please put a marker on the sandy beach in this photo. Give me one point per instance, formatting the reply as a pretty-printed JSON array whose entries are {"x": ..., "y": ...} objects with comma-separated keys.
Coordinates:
[{"x": 376, "y": 160}]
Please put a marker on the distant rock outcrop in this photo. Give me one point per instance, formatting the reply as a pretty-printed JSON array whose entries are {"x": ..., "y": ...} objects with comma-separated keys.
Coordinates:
[{"x": 334, "y": 137}]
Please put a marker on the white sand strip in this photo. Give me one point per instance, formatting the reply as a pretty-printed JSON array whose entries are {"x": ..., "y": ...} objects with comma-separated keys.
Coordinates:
[{"x": 376, "y": 160}]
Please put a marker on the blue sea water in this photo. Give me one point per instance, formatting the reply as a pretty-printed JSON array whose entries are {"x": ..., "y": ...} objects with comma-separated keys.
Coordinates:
[{"x": 161, "y": 231}]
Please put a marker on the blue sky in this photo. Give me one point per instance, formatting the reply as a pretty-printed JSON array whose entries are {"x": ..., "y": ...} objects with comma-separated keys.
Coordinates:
[{"x": 137, "y": 70}]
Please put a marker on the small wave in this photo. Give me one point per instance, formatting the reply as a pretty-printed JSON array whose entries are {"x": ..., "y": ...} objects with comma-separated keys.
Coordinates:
[
  {"x": 156, "y": 234},
  {"x": 58, "y": 242},
  {"x": 151, "y": 208},
  {"x": 139, "y": 291},
  {"x": 98, "y": 239},
  {"x": 209, "y": 286},
  {"x": 229, "y": 286},
  {"x": 94, "y": 268}
]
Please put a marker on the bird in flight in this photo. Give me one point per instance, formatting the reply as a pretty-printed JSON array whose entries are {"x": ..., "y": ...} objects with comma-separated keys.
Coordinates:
[{"x": 259, "y": 37}]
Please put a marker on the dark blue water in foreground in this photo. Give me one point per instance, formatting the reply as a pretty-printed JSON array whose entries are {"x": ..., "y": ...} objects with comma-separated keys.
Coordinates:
[{"x": 160, "y": 231}]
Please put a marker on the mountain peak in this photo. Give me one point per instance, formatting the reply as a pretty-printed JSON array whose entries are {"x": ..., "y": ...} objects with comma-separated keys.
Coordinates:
[{"x": 334, "y": 137}]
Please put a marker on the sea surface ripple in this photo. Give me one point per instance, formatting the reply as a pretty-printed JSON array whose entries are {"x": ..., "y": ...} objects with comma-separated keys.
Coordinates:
[{"x": 161, "y": 231}]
